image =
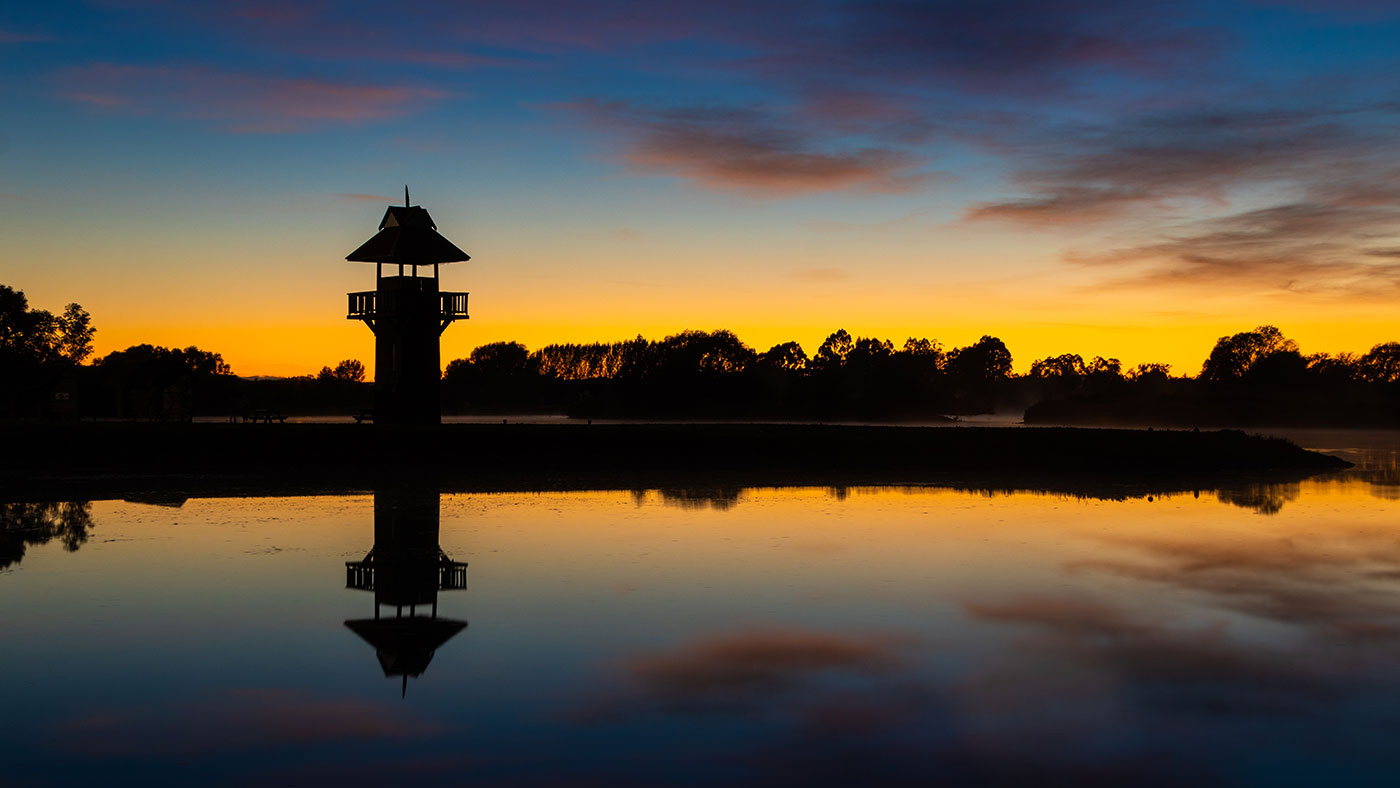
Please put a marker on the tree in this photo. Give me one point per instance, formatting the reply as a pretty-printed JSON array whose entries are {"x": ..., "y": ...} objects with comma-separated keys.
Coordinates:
[
  {"x": 689, "y": 352},
  {"x": 987, "y": 360},
  {"x": 788, "y": 356},
  {"x": 1381, "y": 364},
  {"x": 500, "y": 359},
  {"x": 153, "y": 365},
  {"x": 1150, "y": 372},
  {"x": 1102, "y": 367},
  {"x": 1233, "y": 356},
  {"x": 350, "y": 370},
  {"x": 204, "y": 362},
  {"x": 36, "y": 336},
  {"x": 1069, "y": 366},
  {"x": 496, "y": 361},
  {"x": 923, "y": 349},
  {"x": 75, "y": 333},
  {"x": 832, "y": 353}
]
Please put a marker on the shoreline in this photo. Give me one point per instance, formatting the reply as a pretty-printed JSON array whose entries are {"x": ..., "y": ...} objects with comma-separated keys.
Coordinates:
[{"x": 47, "y": 459}]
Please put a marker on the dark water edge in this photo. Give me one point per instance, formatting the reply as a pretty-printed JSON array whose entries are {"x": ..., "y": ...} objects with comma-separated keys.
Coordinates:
[{"x": 115, "y": 460}]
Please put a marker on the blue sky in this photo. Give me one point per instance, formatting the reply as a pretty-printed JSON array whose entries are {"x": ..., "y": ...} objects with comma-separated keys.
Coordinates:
[{"x": 1129, "y": 179}]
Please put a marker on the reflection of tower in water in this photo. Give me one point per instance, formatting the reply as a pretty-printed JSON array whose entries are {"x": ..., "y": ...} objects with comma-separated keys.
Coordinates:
[{"x": 405, "y": 570}]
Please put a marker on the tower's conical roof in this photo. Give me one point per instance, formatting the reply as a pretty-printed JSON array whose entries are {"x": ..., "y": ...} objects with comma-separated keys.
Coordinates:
[{"x": 407, "y": 236}]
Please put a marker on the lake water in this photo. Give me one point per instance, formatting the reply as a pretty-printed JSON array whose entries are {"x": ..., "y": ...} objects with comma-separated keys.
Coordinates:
[{"x": 870, "y": 636}]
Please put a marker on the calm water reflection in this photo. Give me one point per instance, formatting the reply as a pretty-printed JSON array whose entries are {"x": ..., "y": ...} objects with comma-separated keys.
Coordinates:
[{"x": 700, "y": 637}]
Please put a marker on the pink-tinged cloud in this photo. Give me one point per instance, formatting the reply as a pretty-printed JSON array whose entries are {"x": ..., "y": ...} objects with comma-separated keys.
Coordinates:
[
  {"x": 748, "y": 151},
  {"x": 12, "y": 37},
  {"x": 1068, "y": 205},
  {"x": 240, "y": 102},
  {"x": 236, "y": 720},
  {"x": 757, "y": 661}
]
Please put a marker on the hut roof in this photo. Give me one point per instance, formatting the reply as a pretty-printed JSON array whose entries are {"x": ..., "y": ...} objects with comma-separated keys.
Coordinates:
[{"x": 408, "y": 236}]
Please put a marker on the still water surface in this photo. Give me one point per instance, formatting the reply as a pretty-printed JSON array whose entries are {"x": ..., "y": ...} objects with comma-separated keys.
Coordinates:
[{"x": 876, "y": 636}]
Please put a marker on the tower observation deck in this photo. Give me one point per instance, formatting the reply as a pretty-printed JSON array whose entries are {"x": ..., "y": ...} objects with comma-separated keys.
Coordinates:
[{"x": 407, "y": 311}]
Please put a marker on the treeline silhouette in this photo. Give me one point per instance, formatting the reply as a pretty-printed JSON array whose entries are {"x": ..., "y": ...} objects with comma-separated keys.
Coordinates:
[
  {"x": 699, "y": 374},
  {"x": 1253, "y": 377},
  {"x": 42, "y": 374}
]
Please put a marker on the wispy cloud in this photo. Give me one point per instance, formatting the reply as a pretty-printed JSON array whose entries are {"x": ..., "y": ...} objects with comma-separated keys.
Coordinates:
[
  {"x": 14, "y": 37},
  {"x": 234, "y": 720},
  {"x": 1029, "y": 48},
  {"x": 241, "y": 102},
  {"x": 1317, "y": 248},
  {"x": 1336, "y": 209},
  {"x": 1083, "y": 173},
  {"x": 748, "y": 150},
  {"x": 363, "y": 197}
]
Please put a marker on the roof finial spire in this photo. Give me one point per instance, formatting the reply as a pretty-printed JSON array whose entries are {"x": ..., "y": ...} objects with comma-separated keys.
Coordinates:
[{"x": 405, "y": 195}]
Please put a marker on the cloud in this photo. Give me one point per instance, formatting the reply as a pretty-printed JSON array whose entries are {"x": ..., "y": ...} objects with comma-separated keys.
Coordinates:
[
  {"x": 1325, "y": 178},
  {"x": 363, "y": 197},
  {"x": 12, "y": 37},
  {"x": 233, "y": 720},
  {"x": 748, "y": 150},
  {"x": 1029, "y": 48},
  {"x": 1089, "y": 173},
  {"x": 240, "y": 102},
  {"x": 1308, "y": 247},
  {"x": 822, "y": 274}
]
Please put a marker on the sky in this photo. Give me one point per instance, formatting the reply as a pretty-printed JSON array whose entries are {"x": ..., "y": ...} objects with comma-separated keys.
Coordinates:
[{"x": 1130, "y": 180}]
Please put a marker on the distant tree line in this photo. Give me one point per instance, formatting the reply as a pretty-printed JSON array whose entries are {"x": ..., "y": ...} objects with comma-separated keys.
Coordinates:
[
  {"x": 42, "y": 375},
  {"x": 699, "y": 374},
  {"x": 1253, "y": 377}
]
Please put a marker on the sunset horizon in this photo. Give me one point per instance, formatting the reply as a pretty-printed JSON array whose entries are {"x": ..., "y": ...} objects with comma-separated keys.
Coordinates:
[{"x": 1124, "y": 183}]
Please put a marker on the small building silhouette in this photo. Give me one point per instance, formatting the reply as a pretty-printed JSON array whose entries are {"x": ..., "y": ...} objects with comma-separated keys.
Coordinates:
[{"x": 407, "y": 313}]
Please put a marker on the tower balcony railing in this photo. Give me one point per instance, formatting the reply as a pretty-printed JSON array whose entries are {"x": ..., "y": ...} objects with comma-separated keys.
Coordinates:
[
  {"x": 361, "y": 306},
  {"x": 452, "y": 306}
]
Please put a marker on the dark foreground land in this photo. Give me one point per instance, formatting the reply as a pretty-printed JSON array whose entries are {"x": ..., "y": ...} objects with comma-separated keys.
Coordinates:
[{"x": 95, "y": 460}]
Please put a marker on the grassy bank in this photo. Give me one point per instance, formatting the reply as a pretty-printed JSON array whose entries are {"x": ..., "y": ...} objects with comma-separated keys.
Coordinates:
[{"x": 523, "y": 457}]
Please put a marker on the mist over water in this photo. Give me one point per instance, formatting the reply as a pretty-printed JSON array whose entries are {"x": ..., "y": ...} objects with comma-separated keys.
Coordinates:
[{"x": 707, "y": 635}]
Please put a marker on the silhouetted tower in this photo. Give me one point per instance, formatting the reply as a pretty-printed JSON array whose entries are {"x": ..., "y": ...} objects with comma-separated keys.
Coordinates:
[
  {"x": 405, "y": 570},
  {"x": 407, "y": 313}
]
